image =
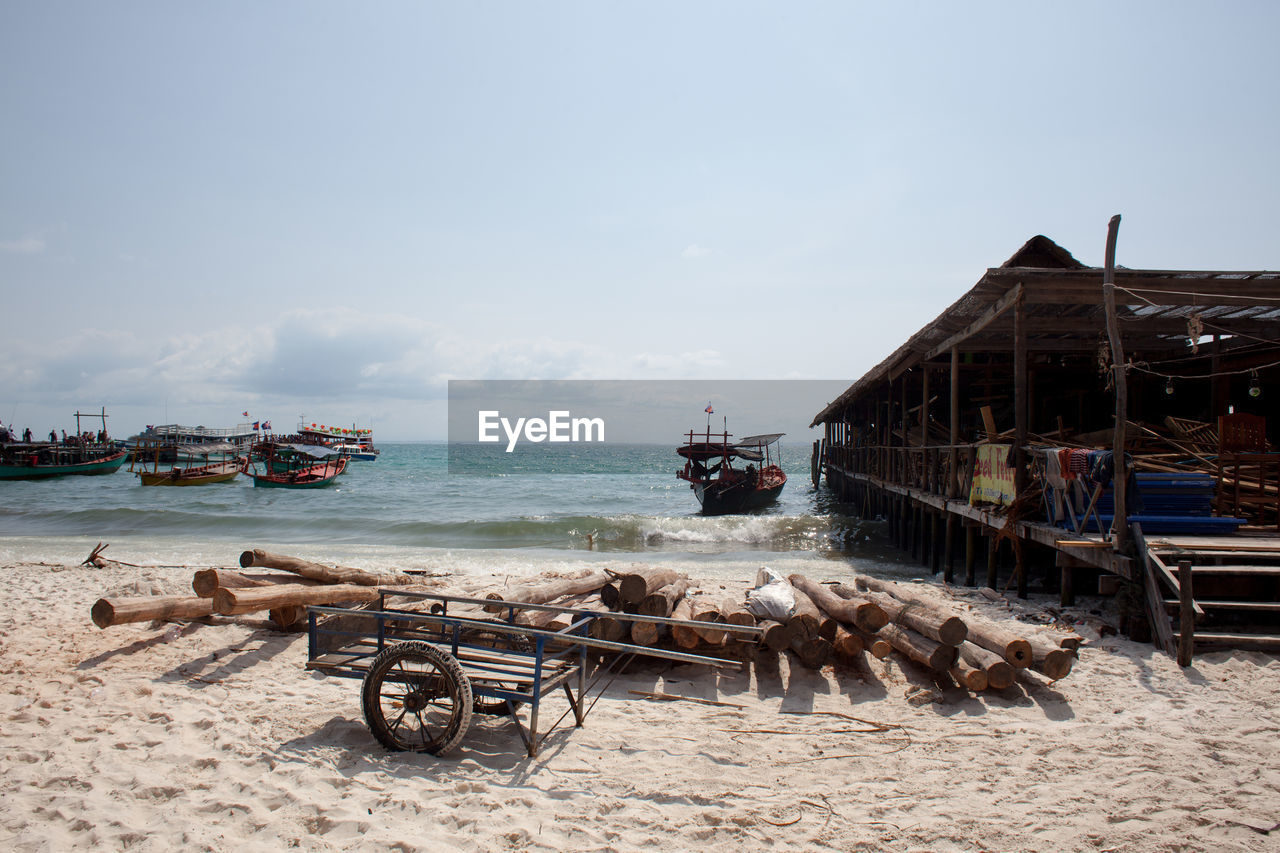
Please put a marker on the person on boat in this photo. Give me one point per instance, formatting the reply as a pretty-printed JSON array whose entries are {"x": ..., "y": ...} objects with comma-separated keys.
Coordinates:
[
  {"x": 53, "y": 436},
  {"x": 26, "y": 435}
]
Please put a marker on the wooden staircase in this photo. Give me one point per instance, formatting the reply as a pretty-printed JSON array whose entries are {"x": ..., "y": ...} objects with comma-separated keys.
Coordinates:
[{"x": 1219, "y": 594}]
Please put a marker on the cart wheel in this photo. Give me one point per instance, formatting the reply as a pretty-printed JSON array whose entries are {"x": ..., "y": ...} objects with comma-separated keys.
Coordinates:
[{"x": 416, "y": 698}]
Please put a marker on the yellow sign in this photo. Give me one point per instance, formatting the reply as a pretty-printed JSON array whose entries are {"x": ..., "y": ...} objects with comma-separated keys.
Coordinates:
[{"x": 992, "y": 476}]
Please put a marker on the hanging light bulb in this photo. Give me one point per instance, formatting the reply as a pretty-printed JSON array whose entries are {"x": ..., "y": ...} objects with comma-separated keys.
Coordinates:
[
  {"x": 1255, "y": 390},
  {"x": 1168, "y": 387}
]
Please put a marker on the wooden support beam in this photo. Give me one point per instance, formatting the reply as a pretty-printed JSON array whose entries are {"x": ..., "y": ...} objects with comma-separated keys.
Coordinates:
[{"x": 1001, "y": 305}]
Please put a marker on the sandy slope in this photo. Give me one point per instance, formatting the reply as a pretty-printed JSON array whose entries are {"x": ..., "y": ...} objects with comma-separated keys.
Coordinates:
[{"x": 214, "y": 737}]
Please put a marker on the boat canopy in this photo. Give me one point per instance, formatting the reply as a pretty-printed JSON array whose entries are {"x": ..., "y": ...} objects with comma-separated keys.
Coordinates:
[
  {"x": 318, "y": 451},
  {"x": 760, "y": 440}
]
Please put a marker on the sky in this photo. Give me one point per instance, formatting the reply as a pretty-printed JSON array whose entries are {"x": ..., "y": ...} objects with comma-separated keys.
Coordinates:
[{"x": 328, "y": 210}]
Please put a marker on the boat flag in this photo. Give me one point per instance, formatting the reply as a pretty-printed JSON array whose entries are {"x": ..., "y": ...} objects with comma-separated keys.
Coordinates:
[
  {"x": 255, "y": 426},
  {"x": 709, "y": 410},
  {"x": 244, "y": 414},
  {"x": 266, "y": 426}
]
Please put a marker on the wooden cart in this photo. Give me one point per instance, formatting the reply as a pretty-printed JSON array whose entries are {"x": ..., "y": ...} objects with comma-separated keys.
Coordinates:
[{"x": 425, "y": 674}]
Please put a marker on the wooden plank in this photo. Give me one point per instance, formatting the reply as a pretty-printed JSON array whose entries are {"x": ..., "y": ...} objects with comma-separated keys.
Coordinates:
[
  {"x": 1001, "y": 305},
  {"x": 1239, "y": 641},
  {"x": 1254, "y": 606},
  {"x": 1250, "y": 571},
  {"x": 1159, "y": 619}
]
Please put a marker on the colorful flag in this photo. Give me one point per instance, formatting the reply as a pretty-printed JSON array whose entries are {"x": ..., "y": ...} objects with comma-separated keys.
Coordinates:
[
  {"x": 266, "y": 425},
  {"x": 709, "y": 410},
  {"x": 255, "y": 426},
  {"x": 244, "y": 414}
]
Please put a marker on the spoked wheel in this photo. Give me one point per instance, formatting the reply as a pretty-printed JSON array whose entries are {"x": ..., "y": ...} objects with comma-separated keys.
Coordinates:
[{"x": 416, "y": 698}]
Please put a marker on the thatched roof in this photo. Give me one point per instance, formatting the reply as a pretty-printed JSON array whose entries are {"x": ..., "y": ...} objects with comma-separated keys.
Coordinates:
[{"x": 1063, "y": 305}]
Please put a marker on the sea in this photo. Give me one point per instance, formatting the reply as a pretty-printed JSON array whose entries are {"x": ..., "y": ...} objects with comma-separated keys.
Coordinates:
[{"x": 609, "y": 504}]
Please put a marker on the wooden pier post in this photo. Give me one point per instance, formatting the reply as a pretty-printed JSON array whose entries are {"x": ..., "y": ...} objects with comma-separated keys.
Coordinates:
[{"x": 1186, "y": 614}]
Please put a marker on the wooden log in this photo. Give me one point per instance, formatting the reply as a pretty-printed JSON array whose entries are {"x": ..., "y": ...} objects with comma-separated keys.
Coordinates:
[
  {"x": 1053, "y": 662},
  {"x": 1000, "y": 673},
  {"x": 853, "y": 610},
  {"x": 647, "y": 633},
  {"x": 548, "y": 590},
  {"x": 777, "y": 636},
  {"x": 812, "y": 651},
  {"x": 287, "y": 617},
  {"x": 846, "y": 645},
  {"x": 1003, "y": 642},
  {"x": 609, "y": 596},
  {"x": 706, "y": 609},
  {"x": 920, "y": 648},
  {"x": 919, "y": 616},
  {"x": 608, "y": 628},
  {"x": 968, "y": 676},
  {"x": 878, "y": 647},
  {"x": 735, "y": 612},
  {"x": 806, "y": 619},
  {"x": 118, "y": 611},
  {"x": 633, "y": 587},
  {"x": 685, "y": 636},
  {"x": 207, "y": 581},
  {"x": 233, "y": 602},
  {"x": 317, "y": 572},
  {"x": 663, "y": 600}
]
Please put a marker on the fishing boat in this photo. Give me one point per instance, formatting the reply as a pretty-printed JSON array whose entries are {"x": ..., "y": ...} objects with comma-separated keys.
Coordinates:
[
  {"x": 722, "y": 488},
  {"x": 82, "y": 453},
  {"x": 210, "y": 463},
  {"x": 295, "y": 466}
]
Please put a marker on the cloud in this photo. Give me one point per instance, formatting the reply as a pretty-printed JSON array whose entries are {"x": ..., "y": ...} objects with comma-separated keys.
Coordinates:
[
  {"x": 693, "y": 251},
  {"x": 23, "y": 246}
]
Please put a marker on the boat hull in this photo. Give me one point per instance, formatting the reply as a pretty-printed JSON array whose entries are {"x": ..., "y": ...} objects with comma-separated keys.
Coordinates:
[
  {"x": 186, "y": 478},
  {"x": 106, "y": 465},
  {"x": 725, "y": 501},
  {"x": 312, "y": 477}
]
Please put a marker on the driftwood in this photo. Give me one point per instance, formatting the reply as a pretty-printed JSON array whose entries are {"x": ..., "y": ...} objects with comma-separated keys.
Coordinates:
[
  {"x": 317, "y": 572},
  {"x": 233, "y": 602},
  {"x": 920, "y": 648},
  {"x": 1000, "y": 673},
  {"x": 851, "y": 610},
  {"x": 118, "y": 611},
  {"x": 633, "y": 587},
  {"x": 919, "y": 616},
  {"x": 548, "y": 590}
]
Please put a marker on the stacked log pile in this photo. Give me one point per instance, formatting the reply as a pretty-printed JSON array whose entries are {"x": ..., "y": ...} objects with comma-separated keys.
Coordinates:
[
  {"x": 283, "y": 593},
  {"x": 654, "y": 607}
]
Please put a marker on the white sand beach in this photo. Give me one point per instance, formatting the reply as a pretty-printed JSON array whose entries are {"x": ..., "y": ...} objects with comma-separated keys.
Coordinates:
[{"x": 214, "y": 737}]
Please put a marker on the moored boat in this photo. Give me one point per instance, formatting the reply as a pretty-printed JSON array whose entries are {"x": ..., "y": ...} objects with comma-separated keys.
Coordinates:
[
  {"x": 719, "y": 486},
  {"x": 353, "y": 442},
  {"x": 295, "y": 466},
  {"x": 218, "y": 463},
  {"x": 82, "y": 453}
]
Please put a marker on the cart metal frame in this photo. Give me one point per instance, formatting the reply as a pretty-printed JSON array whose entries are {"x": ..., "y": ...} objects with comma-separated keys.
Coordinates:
[{"x": 506, "y": 663}]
